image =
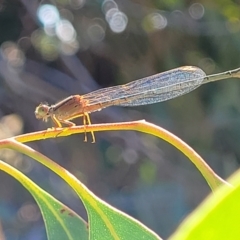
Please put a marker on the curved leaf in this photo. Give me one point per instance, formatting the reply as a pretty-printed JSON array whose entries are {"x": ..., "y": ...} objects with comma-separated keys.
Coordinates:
[
  {"x": 105, "y": 222},
  {"x": 60, "y": 221},
  {"x": 218, "y": 217}
]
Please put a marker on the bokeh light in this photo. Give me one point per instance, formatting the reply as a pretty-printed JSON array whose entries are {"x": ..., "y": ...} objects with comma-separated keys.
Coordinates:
[
  {"x": 77, "y": 4},
  {"x": 158, "y": 21},
  {"x": 29, "y": 212},
  {"x": 65, "y": 31},
  {"x": 196, "y": 11},
  {"x": 117, "y": 21},
  {"x": 108, "y": 5},
  {"x": 56, "y": 25},
  {"x": 69, "y": 48},
  {"x": 12, "y": 54},
  {"x": 48, "y": 15},
  {"x": 207, "y": 64},
  {"x": 113, "y": 154},
  {"x": 96, "y": 30},
  {"x": 130, "y": 156},
  {"x": 45, "y": 44},
  {"x": 154, "y": 22}
]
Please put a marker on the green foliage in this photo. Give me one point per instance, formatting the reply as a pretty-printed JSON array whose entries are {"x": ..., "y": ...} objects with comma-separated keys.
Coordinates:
[
  {"x": 217, "y": 218},
  {"x": 106, "y": 222},
  {"x": 60, "y": 221}
]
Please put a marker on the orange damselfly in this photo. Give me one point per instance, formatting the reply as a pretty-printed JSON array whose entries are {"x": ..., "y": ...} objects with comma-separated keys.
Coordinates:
[{"x": 148, "y": 90}]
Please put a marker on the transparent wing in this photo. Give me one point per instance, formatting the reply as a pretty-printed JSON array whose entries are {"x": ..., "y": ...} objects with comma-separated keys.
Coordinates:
[{"x": 153, "y": 89}]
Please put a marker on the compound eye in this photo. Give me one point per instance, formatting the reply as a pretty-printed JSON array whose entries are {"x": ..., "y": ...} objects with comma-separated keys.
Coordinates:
[{"x": 42, "y": 111}]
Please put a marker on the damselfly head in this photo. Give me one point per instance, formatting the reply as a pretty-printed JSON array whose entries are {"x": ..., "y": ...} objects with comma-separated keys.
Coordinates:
[{"x": 42, "y": 111}]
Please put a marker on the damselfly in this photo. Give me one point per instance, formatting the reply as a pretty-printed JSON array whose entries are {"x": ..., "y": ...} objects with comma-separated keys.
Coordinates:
[{"x": 148, "y": 90}]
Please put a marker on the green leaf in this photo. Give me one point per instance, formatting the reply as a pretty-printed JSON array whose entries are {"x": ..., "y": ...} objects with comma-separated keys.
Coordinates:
[
  {"x": 106, "y": 222},
  {"x": 60, "y": 221},
  {"x": 218, "y": 217}
]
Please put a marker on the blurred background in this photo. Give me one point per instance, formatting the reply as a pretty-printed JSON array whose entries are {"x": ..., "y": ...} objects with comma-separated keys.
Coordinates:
[{"x": 52, "y": 49}]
